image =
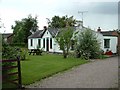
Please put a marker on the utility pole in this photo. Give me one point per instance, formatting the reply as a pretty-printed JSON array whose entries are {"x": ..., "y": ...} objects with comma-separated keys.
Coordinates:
[{"x": 82, "y": 12}]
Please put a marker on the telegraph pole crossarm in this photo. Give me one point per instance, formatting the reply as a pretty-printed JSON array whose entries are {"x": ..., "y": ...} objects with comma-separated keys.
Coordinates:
[{"x": 82, "y": 12}]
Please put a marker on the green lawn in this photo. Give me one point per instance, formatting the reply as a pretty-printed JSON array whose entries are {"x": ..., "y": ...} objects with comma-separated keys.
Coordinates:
[{"x": 39, "y": 67}]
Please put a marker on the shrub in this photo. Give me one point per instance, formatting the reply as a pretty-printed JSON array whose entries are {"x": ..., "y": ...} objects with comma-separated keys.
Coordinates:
[
  {"x": 7, "y": 53},
  {"x": 87, "y": 46},
  {"x": 22, "y": 53}
]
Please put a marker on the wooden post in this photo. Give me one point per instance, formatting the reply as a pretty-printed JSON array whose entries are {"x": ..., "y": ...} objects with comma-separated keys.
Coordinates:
[
  {"x": 118, "y": 48},
  {"x": 19, "y": 73}
]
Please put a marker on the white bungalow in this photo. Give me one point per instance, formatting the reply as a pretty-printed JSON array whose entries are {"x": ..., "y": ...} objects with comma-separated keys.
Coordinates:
[
  {"x": 46, "y": 39},
  {"x": 110, "y": 41}
]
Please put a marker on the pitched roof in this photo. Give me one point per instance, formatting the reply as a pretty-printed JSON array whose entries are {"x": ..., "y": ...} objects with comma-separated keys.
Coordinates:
[
  {"x": 109, "y": 33},
  {"x": 40, "y": 33},
  {"x": 53, "y": 32},
  {"x": 37, "y": 34}
]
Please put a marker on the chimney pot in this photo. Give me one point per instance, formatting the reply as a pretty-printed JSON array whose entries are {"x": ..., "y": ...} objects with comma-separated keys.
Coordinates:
[
  {"x": 45, "y": 27},
  {"x": 99, "y": 29}
]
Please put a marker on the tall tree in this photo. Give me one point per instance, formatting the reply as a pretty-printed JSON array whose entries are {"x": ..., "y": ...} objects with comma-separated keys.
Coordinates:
[
  {"x": 18, "y": 32},
  {"x": 23, "y": 29},
  {"x": 61, "y": 22},
  {"x": 64, "y": 40}
]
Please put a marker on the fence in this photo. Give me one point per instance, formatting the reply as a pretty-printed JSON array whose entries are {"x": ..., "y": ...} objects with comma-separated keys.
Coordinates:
[{"x": 17, "y": 81}]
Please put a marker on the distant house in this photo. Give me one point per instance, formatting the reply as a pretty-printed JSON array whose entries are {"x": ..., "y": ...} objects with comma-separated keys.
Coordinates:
[
  {"x": 7, "y": 37},
  {"x": 110, "y": 40}
]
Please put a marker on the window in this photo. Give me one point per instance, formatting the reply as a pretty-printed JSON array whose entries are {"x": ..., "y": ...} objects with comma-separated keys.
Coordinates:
[
  {"x": 31, "y": 42},
  {"x": 106, "y": 43},
  {"x": 39, "y": 43},
  {"x": 44, "y": 43},
  {"x": 50, "y": 43}
]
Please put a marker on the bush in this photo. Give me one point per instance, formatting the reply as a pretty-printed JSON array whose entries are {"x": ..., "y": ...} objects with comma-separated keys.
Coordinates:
[
  {"x": 23, "y": 53},
  {"x": 77, "y": 53},
  {"x": 7, "y": 54},
  {"x": 87, "y": 45}
]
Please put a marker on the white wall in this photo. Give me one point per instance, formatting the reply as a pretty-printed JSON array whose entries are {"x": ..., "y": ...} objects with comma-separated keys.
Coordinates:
[
  {"x": 29, "y": 44},
  {"x": 55, "y": 46},
  {"x": 47, "y": 35},
  {"x": 35, "y": 43},
  {"x": 113, "y": 43},
  {"x": 100, "y": 39}
]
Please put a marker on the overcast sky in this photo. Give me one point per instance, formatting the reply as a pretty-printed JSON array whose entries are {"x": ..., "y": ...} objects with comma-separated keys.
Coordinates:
[{"x": 101, "y": 13}]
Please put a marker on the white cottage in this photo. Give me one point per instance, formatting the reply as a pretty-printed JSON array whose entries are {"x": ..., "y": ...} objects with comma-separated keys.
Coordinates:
[
  {"x": 46, "y": 39},
  {"x": 110, "y": 41}
]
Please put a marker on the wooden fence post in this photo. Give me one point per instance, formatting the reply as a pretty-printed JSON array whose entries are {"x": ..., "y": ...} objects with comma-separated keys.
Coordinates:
[{"x": 19, "y": 72}]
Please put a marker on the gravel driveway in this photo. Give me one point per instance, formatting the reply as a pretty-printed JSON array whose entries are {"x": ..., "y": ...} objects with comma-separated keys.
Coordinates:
[{"x": 97, "y": 74}]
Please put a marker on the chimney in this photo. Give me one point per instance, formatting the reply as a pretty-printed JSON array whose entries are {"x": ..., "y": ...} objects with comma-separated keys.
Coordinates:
[
  {"x": 45, "y": 27},
  {"x": 99, "y": 29},
  {"x": 79, "y": 24}
]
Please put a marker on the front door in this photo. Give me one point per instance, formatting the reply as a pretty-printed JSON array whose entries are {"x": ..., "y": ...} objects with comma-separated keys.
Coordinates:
[{"x": 47, "y": 44}]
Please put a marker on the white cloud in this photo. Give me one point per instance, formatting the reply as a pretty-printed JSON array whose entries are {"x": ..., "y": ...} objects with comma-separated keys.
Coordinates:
[{"x": 9, "y": 16}]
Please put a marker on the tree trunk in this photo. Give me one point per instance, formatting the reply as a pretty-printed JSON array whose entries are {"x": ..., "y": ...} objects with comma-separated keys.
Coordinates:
[
  {"x": 64, "y": 54},
  {"x": 67, "y": 50}
]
